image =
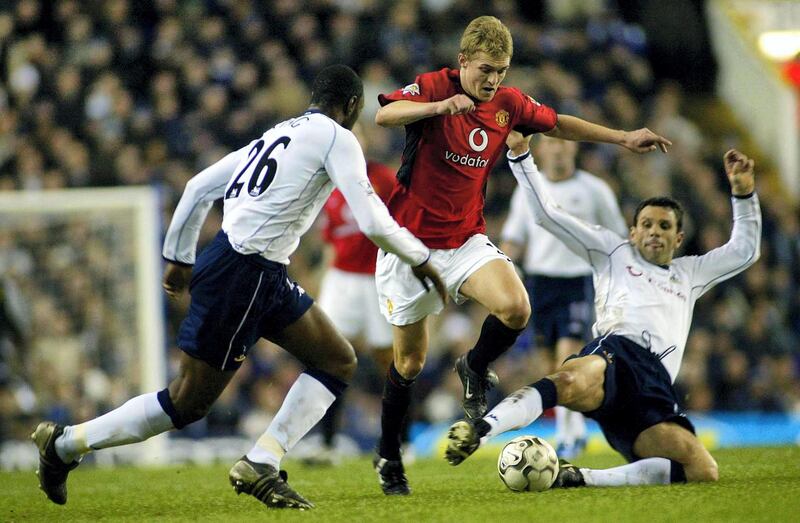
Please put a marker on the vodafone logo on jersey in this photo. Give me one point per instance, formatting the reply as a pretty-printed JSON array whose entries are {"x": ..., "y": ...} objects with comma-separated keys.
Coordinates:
[
  {"x": 478, "y": 141},
  {"x": 482, "y": 140}
]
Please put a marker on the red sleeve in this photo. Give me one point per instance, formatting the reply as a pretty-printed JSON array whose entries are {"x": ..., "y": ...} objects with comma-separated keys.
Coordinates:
[
  {"x": 382, "y": 179},
  {"x": 533, "y": 117},
  {"x": 422, "y": 90}
]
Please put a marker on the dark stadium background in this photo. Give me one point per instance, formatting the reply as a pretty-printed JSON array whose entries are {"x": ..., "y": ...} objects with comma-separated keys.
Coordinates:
[{"x": 117, "y": 93}]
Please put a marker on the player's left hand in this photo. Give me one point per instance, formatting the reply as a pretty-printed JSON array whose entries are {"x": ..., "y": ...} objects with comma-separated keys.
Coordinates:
[
  {"x": 176, "y": 279},
  {"x": 741, "y": 172},
  {"x": 644, "y": 141}
]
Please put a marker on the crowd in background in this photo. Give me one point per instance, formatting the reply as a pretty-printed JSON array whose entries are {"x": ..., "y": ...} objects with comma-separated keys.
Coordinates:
[{"x": 117, "y": 92}]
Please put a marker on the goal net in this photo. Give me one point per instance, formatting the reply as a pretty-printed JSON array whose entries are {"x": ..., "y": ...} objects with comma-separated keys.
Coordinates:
[{"x": 82, "y": 269}]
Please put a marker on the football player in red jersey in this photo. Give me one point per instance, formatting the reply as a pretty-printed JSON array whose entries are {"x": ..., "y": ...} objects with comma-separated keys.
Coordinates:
[
  {"x": 347, "y": 291},
  {"x": 457, "y": 121}
]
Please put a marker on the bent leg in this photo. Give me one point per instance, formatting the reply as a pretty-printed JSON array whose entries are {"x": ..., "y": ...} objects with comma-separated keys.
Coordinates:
[
  {"x": 187, "y": 399},
  {"x": 314, "y": 341},
  {"x": 330, "y": 362},
  {"x": 577, "y": 385},
  {"x": 570, "y": 425},
  {"x": 410, "y": 347},
  {"x": 497, "y": 287},
  {"x": 671, "y": 454},
  {"x": 672, "y": 441}
]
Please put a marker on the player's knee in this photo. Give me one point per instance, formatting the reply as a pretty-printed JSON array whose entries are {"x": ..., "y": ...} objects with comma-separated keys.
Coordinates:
[
  {"x": 343, "y": 366},
  {"x": 707, "y": 471},
  {"x": 190, "y": 411},
  {"x": 410, "y": 366},
  {"x": 567, "y": 385},
  {"x": 712, "y": 472},
  {"x": 349, "y": 366},
  {"x": 515, "y": 312}
]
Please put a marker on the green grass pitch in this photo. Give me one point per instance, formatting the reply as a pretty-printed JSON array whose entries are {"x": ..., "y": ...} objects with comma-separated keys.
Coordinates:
[{"x": 761, "y": 484}]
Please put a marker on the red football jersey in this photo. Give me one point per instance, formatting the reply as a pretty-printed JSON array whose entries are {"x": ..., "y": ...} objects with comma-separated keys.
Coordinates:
[
  {"x": 353, "y": 252},
  {"x": 447, "y": 159}
]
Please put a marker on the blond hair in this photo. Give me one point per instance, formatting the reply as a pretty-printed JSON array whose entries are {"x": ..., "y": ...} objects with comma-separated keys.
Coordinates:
[{"x": 487, "y": 34}]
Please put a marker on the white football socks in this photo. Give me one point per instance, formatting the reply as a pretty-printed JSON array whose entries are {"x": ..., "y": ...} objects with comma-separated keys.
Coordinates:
[
  {"x": 136, "y": 420},
  {"x": 517, "y": 410},
  {"x": 570, "y": 425},
  {"x": 650, "y": 471},
  {"x": 304, "y": 406},
  {"x": 562, "y": 429},
  {"x": 576, "y": 425}
]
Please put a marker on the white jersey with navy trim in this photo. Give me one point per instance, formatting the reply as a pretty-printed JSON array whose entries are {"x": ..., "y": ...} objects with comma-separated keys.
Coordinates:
[
  {"x": 646, "y": 303},
  {"x": 584, "y": 196},
  {"x": 275, "y": 187}
]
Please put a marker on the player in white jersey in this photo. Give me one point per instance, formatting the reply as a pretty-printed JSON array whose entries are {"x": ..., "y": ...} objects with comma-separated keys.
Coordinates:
[
  {"x": 624, "y": 378},
  {"x": 558, "y": 282},
  {"x": 273, "y": 189}
]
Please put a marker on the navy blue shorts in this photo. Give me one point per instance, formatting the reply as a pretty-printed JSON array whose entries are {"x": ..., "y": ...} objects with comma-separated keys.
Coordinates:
[
  {"x": 638, "y": 393},
  {"x": 560, "y": 307},
  {"x": 236, "y": 299}
]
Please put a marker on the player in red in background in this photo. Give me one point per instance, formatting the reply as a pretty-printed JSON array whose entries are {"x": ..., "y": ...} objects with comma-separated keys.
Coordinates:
[
  {"x": 347, "y": 291},
  {"x": 457, "y": 121}
]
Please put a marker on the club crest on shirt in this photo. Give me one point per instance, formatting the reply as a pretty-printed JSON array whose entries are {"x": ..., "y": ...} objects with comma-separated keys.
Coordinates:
[
  {"x": 412, "y": 89},
  {"x": 501, "y": 117}
]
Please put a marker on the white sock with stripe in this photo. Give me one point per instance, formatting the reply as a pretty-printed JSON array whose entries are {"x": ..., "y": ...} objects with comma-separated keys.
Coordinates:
[
  {"x": 305, "y": 404},
  {"x": 518, "y": 410},
  {"x": 136, "y": 420},
  {"x": 650, "y": 471}
]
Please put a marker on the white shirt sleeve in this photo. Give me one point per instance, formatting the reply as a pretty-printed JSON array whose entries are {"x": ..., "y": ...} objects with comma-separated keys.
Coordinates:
[
  {"x": 515, "y": 228},
  {"x": 740, "y": 252},
  {"x": 347, "y": 169},
  {"x": 609, "y": 214},
  {"x": 208, "y": 185},
  {"x": 593, "y": 243}
]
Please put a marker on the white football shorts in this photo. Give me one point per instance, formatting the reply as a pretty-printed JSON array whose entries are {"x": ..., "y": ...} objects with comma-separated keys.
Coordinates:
[
  {"x": 351, "y": 301},
  {"x": 402, "y": 297}
]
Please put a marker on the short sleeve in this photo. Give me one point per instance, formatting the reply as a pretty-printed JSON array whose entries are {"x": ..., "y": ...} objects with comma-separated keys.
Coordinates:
[
  {"x": 422, "y": 90},
  {"x": 532, "y": 116}
]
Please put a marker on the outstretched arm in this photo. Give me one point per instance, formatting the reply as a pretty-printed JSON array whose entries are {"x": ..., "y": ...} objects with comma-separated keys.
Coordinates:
[
  {"x": 592, "y": 243},
  {"x": 639, "y": 141},
  {"x": 744, "y": 246}
]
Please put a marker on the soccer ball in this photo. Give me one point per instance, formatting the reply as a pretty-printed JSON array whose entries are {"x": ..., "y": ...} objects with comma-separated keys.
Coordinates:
[{"x": 528, "y": 463}]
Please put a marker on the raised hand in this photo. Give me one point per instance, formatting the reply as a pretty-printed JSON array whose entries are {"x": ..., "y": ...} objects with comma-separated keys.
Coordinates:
[
  {"x": 457, "y": 104},
  {"x": 741, "y": 172},
  {"x": 644, "y": 141}
]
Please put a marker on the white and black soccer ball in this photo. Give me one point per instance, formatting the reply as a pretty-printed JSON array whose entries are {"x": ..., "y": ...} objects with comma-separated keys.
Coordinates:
[{"x": 528, "y": 463}]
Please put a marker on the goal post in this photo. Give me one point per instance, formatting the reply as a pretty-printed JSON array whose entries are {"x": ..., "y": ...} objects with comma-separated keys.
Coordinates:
[{"x": 68, "y": 232}]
